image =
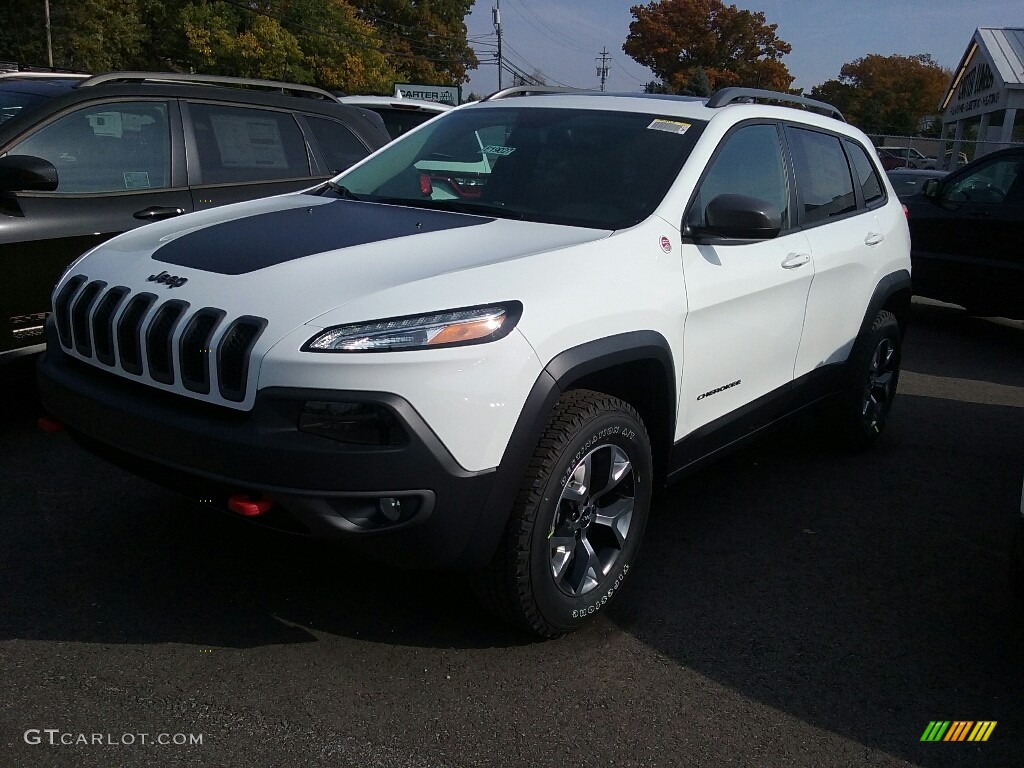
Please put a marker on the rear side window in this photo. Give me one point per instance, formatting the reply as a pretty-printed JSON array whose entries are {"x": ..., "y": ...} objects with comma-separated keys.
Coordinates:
[
  {"x": 339, "y": 145},
  {"x": 240, "y": 144},
  {"x": 823, "y": 180},
  {"x": 749, "y": 162},
  {"x": 867, "y": 174},
  {"x": 114, "y": 147},
  {"x": 399, "y": 121}
]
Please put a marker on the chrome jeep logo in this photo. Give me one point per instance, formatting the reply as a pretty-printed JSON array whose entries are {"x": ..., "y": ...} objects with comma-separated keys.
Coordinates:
[{"x": 171, "y": 281}]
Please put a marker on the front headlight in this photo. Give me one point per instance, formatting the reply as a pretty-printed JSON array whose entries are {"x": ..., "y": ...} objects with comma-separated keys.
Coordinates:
[{"x": 456, "y": 327}]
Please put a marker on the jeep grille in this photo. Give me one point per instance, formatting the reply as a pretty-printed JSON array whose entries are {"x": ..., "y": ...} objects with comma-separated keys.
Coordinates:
[{"x": 90, "y": 319}]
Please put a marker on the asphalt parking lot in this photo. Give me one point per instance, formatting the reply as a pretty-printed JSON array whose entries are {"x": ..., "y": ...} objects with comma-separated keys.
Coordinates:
[{"x": 791, "y": 606}]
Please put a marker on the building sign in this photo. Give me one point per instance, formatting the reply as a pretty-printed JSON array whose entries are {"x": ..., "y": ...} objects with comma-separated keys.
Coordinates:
[
  {"x": 971, "y": 95},
  {"x": 445, "y": 94}
]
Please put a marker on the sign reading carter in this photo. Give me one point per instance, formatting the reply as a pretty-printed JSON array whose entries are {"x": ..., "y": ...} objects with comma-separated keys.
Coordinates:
[{"x": 445, "y": 94}]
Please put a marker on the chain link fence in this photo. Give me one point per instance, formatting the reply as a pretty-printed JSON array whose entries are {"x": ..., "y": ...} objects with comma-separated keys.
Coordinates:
[{"x": 917, "y": 152}]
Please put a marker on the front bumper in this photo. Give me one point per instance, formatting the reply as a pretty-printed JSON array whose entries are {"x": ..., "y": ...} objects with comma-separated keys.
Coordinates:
[{"x": 319, "y": 486}]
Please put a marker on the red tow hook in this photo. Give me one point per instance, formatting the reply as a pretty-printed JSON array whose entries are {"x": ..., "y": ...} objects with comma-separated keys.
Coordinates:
[
  {"x": 50, "y": 425},
  {"x": 243, "y": 505}
]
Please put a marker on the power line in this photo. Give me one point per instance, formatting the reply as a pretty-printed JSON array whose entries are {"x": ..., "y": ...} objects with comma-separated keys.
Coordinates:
[
  {"x": 528, "y": 64},
  {"x": 540, "y": 30}
]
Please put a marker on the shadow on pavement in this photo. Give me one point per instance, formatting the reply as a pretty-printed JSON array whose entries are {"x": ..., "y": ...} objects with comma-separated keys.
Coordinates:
[
  {"x": 98, "y": 555},
  {"x": 866, "y": 594}
]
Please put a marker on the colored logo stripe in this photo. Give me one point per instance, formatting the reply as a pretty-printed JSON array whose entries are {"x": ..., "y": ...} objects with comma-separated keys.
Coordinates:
[
  {"x": 982, "y": 730},
  {"x": 958, "y": 730}
]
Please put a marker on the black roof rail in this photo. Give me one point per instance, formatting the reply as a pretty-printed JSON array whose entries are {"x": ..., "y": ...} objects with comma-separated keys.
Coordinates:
[
  {"x": 527, "y": 90},
  {"x": 727, "y": 96},
  {"x": 182, "y": 77}
]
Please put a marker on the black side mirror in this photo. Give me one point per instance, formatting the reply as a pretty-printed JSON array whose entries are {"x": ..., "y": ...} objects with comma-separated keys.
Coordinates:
[
  {"x": 740, "y": 217},
  {"x": 25, "y": 173},
  {"x": 931, "y": 188}
]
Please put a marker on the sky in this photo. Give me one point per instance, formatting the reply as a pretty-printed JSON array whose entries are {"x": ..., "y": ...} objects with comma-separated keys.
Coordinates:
[{"x": 563, "y": 38}]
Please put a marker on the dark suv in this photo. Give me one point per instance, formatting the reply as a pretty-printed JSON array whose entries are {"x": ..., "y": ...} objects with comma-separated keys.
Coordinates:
[
  {"x": 966, "y": 232},
  {"x": 85, "y": 158}
]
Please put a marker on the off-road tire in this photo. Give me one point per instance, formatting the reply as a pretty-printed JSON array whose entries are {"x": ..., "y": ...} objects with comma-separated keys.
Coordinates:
[
  {"x": 539, "y": 577},
  {"x": 860, "y": 413}
]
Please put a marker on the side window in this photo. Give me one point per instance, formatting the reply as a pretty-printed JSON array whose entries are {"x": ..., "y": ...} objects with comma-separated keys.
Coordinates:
[
  {"x": 822, "y": 175},
  {"x": 870, "y": 184},
  {"x": 117, "y": 147},
  {"x": 748, "y": 163},
  {"x": 1000, "y": 181},
  {"x": 401, "y": 121},
  {"x": 240, "y": 144},
  {"x": 340, "y": 146}
]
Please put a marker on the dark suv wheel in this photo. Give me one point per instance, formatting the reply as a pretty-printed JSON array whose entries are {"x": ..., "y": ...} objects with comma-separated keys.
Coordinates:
[{"x": 578, "y": 519}]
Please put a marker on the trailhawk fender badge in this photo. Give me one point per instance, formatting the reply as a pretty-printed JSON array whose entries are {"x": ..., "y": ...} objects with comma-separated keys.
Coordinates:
[
  {"x": 171, "y": 281},
  {"x": 666, "y": 244}
]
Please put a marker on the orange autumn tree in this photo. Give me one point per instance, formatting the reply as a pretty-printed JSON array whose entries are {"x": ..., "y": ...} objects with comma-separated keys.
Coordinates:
[{"x": 676, "y": 38}]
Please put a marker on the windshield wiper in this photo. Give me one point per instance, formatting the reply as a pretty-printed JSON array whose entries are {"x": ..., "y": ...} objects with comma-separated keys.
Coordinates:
[
  {"x": 343, "y": 192},
  {"x": 458, "y": 206}
]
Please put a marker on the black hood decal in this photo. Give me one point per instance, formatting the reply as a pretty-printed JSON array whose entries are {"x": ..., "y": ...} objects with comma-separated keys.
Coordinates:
[{"x": 263, "y": 240}]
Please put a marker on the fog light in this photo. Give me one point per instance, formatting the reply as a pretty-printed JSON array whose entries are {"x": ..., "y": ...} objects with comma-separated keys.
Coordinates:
[
  {"x": 355, "y": 423},
  {"x": 391, "y": 508}
]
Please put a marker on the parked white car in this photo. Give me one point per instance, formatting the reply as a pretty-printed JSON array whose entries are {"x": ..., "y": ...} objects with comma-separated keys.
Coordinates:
[
  {"x": 496, "y": 383},
  {"x": 399, "y": 114}
]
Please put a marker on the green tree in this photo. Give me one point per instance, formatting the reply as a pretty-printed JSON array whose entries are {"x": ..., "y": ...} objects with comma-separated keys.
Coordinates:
[
  {"x": 358, "y": 46},
  {"x": 655, "y": 86},
  {"x": 676, "y": 38},
  {"x": 307, "y": 41},
  {"x": 425, "y": 39},
  {"x": 90, "y": 35},
  {"x": 886, "y": 94},
  {"x": 698, "y": 84}
]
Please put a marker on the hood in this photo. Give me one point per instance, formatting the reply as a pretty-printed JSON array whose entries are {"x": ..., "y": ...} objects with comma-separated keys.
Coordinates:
[
  {"x": 210, "y": 294},
  {"x": 295, "y": 257}
]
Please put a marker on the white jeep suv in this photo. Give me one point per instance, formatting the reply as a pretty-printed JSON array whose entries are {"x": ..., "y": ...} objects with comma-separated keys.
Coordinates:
[{"x": 496, "y": 383}]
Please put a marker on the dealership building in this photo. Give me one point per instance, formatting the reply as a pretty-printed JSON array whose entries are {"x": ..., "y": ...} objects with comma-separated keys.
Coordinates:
[{"x": 983, "y": 107}]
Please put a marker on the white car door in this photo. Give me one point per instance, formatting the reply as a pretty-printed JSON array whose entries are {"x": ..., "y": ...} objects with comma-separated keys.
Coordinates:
[{"x": 746, "y": 299}]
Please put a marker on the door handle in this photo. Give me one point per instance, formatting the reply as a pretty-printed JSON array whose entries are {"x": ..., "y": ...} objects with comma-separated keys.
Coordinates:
[
  {"x": 794, "y": 260},
  {"x": 980, "y": 214},
  {"x": 874, "y": 238},
  {"x": 158, "y": 212}
]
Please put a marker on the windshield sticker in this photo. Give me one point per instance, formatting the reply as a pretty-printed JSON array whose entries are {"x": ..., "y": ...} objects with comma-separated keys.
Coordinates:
[
  {"x": 669, "y": 126},
  {"x": 248, "y": 142},
  {"x": 494, "y": 149}
]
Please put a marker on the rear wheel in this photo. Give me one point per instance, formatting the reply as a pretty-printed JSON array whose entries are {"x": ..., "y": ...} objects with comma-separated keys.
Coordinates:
[
  {"x": 862, "y": 411},
  {"x": 578, "y": 518}
]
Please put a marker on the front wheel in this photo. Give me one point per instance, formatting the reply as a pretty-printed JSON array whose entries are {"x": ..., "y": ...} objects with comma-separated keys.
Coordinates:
[{"x": 578, "y": 519}]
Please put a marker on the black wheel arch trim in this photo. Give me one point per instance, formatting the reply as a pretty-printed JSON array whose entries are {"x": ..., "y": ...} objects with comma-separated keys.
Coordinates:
[
  {"x": 562, "y": 373},
  {"x": 890, "y": 286}
]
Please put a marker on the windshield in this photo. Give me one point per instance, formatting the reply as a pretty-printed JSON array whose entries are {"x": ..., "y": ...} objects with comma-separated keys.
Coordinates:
[
  {"x": 11, "y": 103},
  {"x": 587, "y": 168}
]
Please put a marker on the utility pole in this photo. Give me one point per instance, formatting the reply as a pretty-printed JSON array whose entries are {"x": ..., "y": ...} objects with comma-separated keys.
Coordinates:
[
  {"x": 496, "y": 16},
  {"x": 49, "y": 43},
  {"x": 602, "y": 67}
]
